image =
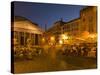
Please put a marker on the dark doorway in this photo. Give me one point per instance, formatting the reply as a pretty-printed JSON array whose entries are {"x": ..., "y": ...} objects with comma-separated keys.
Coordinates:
[
  {"x": 36, "y": 39},
  {"x": 22, "y": 40}
]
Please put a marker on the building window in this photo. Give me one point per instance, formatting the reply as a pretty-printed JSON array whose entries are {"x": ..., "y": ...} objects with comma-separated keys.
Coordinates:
[
  {"x": 90, "y": 19},
  {"x": 90, "y": 24}
]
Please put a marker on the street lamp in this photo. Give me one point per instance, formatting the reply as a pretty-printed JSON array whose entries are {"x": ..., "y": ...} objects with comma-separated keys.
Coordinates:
[
  {"x": 92, "y": 36},
  {"x": 52, "y": 39},
  {"x": 64, "y": 36},
  {"x": 43, "y": 39},
  {"x": 61, "y": 42}
]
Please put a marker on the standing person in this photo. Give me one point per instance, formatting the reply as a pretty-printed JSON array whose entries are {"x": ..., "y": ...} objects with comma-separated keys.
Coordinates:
[
  {"x": 74, "y": 51},
  {"x": 85, "y": 50},
  {"x": 79, "y": 53}
]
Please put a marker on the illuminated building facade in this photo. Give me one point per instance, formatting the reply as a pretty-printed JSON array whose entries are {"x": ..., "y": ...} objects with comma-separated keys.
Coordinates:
[
  {"x": 85, "y": 25},
  {"x": 72, "y": 27},
  {"x": 25, "y": 32},
  {"x": 88, "y": 18}
]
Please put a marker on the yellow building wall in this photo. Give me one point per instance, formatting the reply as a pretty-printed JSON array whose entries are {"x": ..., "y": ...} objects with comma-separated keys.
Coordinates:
[{"x": 88, "y": 21}]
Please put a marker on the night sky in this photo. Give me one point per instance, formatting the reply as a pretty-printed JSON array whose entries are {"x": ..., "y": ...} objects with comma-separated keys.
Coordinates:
[{"x": 42, "y": 13}]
